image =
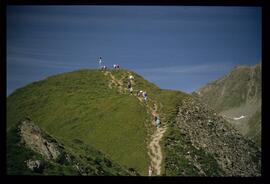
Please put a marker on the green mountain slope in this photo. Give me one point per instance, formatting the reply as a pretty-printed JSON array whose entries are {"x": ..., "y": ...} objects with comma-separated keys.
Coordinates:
[
  {"x": 80, "y": 105},
  {"x": 31, "y": 151},
  {"x": 91, "y": 116},
  {"x": 237, "y": 96}
]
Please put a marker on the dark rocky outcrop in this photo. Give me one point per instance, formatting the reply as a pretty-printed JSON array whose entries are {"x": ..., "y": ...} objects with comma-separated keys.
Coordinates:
[{"x": 208, "y": 144}]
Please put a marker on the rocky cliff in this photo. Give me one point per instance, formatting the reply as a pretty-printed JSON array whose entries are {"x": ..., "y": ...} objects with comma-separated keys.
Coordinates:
[
  {"x": 237, "y": 97},
  {"x": 201, "y": 143}
]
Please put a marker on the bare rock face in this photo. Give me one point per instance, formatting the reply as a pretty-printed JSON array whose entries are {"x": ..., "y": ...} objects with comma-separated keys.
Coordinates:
[
  {"x": 32, "y": 137},
  {"x": 201, "y": 129}
]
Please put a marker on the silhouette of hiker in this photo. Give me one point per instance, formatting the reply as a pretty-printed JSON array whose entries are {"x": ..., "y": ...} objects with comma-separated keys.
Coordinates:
[
  {"x": 129, "y": 84},
  {"x": 100, "y": 62}
]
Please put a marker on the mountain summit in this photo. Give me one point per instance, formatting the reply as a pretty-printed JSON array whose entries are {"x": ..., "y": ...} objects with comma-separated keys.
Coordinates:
[{"x": 89, "y": 122}]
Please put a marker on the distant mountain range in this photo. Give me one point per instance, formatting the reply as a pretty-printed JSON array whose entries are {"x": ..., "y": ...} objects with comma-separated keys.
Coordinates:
[
  {"x": 237, "y": 97},
  {"x": 88, "y": 122}
]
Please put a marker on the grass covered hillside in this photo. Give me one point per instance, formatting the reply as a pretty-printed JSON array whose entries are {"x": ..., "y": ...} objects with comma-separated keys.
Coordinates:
[
  {"x": 31, "y": 151},
  {"x": 80, "y": 105},
  {"x": 86, "y": 122}
]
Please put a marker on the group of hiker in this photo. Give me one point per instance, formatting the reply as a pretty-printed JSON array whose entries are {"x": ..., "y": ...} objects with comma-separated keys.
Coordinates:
[
  {"x": 116, "y": 66},
  {"x": 140, "y": 93},
  {"x": 143, "y": 94},
  {"x": 102, "y": 66}
]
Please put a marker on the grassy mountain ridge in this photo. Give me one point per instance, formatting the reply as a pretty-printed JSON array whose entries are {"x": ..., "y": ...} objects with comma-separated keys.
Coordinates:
[
  {"x": 92, "y": 108},
  {"x": 80, "y": 105}
]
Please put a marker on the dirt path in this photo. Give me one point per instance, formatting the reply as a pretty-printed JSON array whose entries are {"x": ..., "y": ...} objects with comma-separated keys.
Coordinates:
[
  {"x": 155, "y": 152},
  {"x": 114, "y": 82}
]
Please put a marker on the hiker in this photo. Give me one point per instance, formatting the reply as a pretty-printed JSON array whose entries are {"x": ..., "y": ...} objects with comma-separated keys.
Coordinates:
[
  {"x": 157, "y": 122},
  {"x": 131, "y": 90},
  {"x": 129, "y": 84},
  {"x": 145, "y": 95},
  {"x": 100, "y": 62},
  {"x": 150, "y": 170},
  {"x": 131, "y": 77},
  {"x": 114, "y": 66},
  {"x": 139, "y": 93},
  {"x": 117, "y": 66},
  {"x": 103, "y": 67}
]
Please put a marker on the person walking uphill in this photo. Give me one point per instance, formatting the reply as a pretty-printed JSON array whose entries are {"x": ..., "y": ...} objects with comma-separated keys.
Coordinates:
[
  {"x": 129, "y": 85},
  {"x": 131, "y": 90},
  {"x": 131, "y": 77},
  {"x": 145, "y": 96},
  {"x": 157, "y": 122}
]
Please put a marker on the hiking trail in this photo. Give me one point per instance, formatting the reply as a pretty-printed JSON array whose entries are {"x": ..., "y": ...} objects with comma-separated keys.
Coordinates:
[
  {"x": 115, "y": 82},
  {"x": 154, "y": 148},
  {"x": 155, "y": 152}
]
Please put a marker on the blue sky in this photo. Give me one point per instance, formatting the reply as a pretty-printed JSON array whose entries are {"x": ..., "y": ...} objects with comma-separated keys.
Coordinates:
[{"x": 175, "y": 47}]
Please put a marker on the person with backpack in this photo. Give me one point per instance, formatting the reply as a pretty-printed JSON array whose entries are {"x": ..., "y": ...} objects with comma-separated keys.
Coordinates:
[
  {"x": 129, "y": 84},
  {"x": 145, "y": 96}
]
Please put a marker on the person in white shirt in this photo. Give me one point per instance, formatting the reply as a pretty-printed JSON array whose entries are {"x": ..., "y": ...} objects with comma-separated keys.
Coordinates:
[
  {"x": 131, "y": 77},
  {"x": 100, "y": 61}
]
